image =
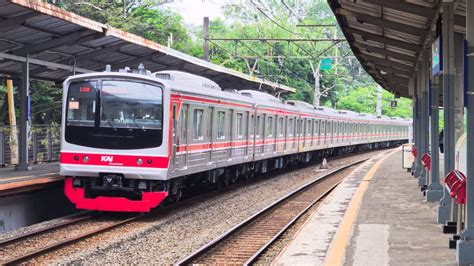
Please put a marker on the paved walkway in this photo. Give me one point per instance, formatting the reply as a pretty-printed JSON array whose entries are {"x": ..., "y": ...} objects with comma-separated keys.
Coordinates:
[
  {"x": 394, "y": 225},
  {"x": 41, "y": 175}
]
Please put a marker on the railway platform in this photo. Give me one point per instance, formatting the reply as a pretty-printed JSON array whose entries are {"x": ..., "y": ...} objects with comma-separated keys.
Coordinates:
[
  {"x": 40, "y": 176},
  {"x": 377, "y": 216}
]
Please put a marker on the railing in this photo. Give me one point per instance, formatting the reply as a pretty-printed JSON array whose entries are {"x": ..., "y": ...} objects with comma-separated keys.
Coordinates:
[{"x": 43, "y": 144}]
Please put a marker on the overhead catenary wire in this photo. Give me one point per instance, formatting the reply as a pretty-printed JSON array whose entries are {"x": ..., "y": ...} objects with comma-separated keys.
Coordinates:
[
  {"x": 236, "y": 54},
  {"x": 271, "y": 19}
]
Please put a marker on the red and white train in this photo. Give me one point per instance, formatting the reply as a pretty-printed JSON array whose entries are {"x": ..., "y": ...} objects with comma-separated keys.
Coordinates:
[{"x": 130, "y": 140}]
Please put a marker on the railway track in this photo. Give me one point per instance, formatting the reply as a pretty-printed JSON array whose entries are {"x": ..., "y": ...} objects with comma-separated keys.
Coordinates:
[
  {"x": 44, "y": 234},
  {"x": 247, "y": 241}
]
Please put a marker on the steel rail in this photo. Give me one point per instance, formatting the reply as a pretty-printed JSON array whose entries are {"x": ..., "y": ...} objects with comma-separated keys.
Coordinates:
[
  {"x": 207, "y": 247},
  {"x": 69, "y": 241},
  {"x": 71, "y": 221}
]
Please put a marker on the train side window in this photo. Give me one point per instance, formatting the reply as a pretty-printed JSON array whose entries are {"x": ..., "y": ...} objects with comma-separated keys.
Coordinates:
[
  {"x": 251, "y": 125},
  {"x": 269, "y": 126},
  {"x": 197, "y": 124},
  {"x": 308, "y": 127},
  {"x": 316, "y": 127},
  {"x": 220, "y": 125},
  {"x": 258, "y": 125},
  {"x": 280, "y": 126},
  {"x": 291, "y": 127},
  {"x": 184, "y": 123},
  {"x": 239, "y": 121}
]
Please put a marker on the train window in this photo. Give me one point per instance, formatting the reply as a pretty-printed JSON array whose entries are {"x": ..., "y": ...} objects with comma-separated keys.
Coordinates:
[
  {"x": 280, "y": 126},
  {"x": 251, "y": 125},
  {"x": 270, "y": 126},
  {"x": 291, "y": 127},
  {"x": 184, "y": 123},
  {"x": 239, "y": 121},
  {"x": 220, "y": 125},
  {"x": 316, "y": 127},
  {"x": 259, "y": 125},
  {"x": 82, "y": 104},
  {"x": 197, "y": 124},
  {"x": 209, "y": 123},
  {"x": 300, "y": 126},
  {"x": 308, "y": 127}
]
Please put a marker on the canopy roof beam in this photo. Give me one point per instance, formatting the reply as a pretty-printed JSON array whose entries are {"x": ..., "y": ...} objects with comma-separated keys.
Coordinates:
[
  {"x": 385, "y": 40},
  {"x": 364, "y": 18}
]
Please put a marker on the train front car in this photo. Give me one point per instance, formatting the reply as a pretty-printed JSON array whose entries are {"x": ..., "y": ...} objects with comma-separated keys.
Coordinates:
[{"x": 114, "y": 141}]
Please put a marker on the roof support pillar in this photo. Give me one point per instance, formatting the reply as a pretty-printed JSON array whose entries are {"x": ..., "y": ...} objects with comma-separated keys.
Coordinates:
[
  {"x": 458, "y": 85},
  {"x": 424, "y": 118},
  {"x": 23, "y": 164},
  {"x": 419, "y": 125},
  {"x": 465, "y": 246},
  {"x": 446, "y": 212},
  {"x": 434, "y": 190},
  {"x": 416, "y": 123}
]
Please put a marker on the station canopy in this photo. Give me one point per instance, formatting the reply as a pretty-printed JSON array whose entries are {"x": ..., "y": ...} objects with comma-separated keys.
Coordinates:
[
  {"x": 387, "y": 36},
  {"x": 57, "y": 43}
]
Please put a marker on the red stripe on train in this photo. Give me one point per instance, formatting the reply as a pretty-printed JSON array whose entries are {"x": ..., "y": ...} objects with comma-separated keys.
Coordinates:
[{"x": 113, "y": 160}]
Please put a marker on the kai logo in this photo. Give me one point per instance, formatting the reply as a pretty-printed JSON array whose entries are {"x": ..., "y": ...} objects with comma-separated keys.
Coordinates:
[{"x": 106, "y": 158}]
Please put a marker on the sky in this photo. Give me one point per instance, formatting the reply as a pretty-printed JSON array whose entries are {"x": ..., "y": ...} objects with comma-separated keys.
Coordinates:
[{"x": 193, "y": 11}]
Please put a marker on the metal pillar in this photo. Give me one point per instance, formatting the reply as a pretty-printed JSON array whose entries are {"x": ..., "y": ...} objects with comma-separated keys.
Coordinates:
[
  {"x": 378, "y": 108},
  {"x": 459, "y": 85},
  {"x": 434, "y": 191},
  {"x": 23, "y": 164},
  {"x": 445, "y": 210},
  {"x": 205, "y": 31},
  {"x": 416, "y": 172},
  {"x": 423, "y": 114},
  {"x": 465, "y": 245}
]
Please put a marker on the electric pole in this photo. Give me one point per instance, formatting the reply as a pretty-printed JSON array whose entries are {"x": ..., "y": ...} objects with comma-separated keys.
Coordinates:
[
  {"x": 205, "y": 31},
  {"x": 317, "y": 88},
  {"x": 378, "y": 108}
]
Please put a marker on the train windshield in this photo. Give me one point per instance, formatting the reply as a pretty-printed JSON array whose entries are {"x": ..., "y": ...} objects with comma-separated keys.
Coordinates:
[
  {"x": 114, "y": 114},
  {"x": 130, "y": 105}
]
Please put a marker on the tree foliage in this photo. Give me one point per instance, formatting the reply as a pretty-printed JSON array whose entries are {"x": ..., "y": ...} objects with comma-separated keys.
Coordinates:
[{"x": 345, "y": 86}]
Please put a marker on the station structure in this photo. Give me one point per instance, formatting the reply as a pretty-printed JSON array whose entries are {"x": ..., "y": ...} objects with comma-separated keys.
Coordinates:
[
  {"x": 424, "y": 50},
  {"x": 41, "y": 41},
  {"x": 420, "y": 49}
]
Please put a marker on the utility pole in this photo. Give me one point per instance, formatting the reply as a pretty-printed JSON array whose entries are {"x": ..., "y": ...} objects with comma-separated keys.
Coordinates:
[
  {"x": 378, "y": 108},
  {"x": 205, "y": 31},
  {"x": 336, "y": 53},
  {"x": 12, "y": 119},
  {"x": 317, "y": 88}
]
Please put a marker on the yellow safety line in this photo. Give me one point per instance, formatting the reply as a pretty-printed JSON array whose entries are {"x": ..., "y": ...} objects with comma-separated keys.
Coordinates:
[
  {"x": 337, "y": 249},
  {"x": 27, "y": 176}
]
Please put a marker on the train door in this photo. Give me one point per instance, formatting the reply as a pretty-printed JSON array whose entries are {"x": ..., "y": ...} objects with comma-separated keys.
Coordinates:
[
  {"x": 329, "y": 132},
  {"x": 251, "y": 135},
  {"x": 210, "y": 134},
  {"x": 174, "y": 130},
  {"x": 182, "y": 139},
  {"x": 197, "y": 146},
  {"x": 249, "y": 122},
  {"x": 289, "y": 134},
  {"x": 259, "y": 135},
  {"x": 317, "y": 129},
  {"x": 322, "y": 133},
  {"x": 280, "y": 135}
]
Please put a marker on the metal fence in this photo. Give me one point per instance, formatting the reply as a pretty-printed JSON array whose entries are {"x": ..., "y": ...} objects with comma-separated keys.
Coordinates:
[{"x": 43, "y": 144}]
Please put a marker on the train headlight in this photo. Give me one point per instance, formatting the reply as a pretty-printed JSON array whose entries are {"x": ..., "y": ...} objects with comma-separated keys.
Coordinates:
[
  {"x": 139, "y": 161},
  {"x": 85, "y": 159},
  {"x": 149, "y": 161}
]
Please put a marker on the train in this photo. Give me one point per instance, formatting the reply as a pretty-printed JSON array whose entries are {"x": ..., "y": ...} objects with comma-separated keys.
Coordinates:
[{"x": 133, "y": 139}]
